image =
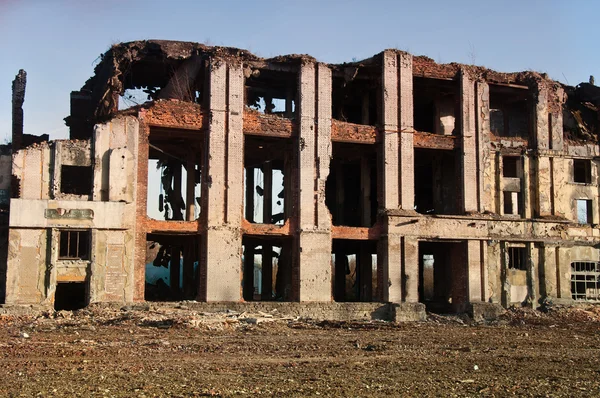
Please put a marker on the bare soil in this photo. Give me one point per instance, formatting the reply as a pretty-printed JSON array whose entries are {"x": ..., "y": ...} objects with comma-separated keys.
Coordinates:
[{"x": 181, "y": 353}]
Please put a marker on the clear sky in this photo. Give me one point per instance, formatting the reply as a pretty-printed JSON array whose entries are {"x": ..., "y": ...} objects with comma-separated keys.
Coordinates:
[{"x": 58, "y": 42}]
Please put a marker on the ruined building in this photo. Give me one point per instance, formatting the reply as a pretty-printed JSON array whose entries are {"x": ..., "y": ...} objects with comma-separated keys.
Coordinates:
[{"x": 389, "y": 180}]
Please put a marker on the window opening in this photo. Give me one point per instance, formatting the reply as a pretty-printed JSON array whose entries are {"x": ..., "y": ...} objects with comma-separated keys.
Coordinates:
[
  {"x": 582, "y": 171},
  {"x": 76, "y": 180},
  {"x": 436, "y": 188},
  {"x": 584, "y": 211},
  {"x": 355, "y": 94},
  {"x": 511, "y": 167},
  {"x": 585, "y": 280},
  {"x": 435, "y": 104},
  {"x": 510, "y": 110},
  {"x": 74, "y": 245},
  {"x": 517, "y": 258},
  {"x": 351, "y": 187},
  {"x": 267, "y": 165},
  {"x": 174, "y": 174},
  {"x": 272, "y": 92},
  {"x": 512, "y": 202}
]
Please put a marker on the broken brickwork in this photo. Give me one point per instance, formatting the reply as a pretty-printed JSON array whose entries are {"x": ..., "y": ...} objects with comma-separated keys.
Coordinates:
[{"x": 236, "y": 178}]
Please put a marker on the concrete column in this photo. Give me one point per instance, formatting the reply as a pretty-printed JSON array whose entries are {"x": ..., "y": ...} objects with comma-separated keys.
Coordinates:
[
  {"x": 406, "y": 122},
  {"x": 474, "y": 270},
  {"x": 235, "y": 147},
  {"x": 532, "y": 274},
  {"x": 314, "y": 152},
  {"x": 410, "y": 267},
  {"x": 222, "y": 244},
  {"x": 544, "y": 183},
  {"x": 527, "y": 191},
  {"x": 389, "y": 258},
  {"x": 550, "y": 269},
  {"x": 556, "y": 123},
  {"x": 543, "y": 141},
  {"x": 390, "y": 141},
  {"x": 485, "y": 161},
  {"x": 468, "y": 143}
]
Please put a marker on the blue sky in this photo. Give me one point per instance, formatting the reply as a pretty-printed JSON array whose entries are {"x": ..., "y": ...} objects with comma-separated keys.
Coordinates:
[{"x": 58, "y": 41}]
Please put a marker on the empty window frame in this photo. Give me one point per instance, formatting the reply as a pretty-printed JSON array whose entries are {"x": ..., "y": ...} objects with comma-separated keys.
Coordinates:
[
  {"x": 76, "y": 180},
  {"x": 512, "y": 201},
  {"x": 74, "y": 245},
  {"x": 582, "y": 171},
  {"x": 435, "y": 105},
  {"x": 356, "y": 94},
  {"x": 511, "y": 166},
  {"x": 585, "y": 280},
  {"x": 510, "y": 110},
  {"x": 585, "y": 213},
  {"x": 517, "y": 258}
]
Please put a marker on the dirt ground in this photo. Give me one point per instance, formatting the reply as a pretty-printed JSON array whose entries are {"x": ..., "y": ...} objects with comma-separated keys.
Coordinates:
[{"x": 177, "y": 352}]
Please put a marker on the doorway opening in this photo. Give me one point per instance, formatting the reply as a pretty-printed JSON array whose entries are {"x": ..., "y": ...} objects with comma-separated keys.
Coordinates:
[
  {"x": 267, "y": 268},
  {"x": 70, "y": 296},
  {"x": 443, "y": 275},
  {"x": 171, "y": 267},
  {"x": 354, "y": 270}
]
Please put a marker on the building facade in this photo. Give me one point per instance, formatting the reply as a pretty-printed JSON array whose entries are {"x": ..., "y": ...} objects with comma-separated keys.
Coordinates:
[{"x": 392, "y": 179}]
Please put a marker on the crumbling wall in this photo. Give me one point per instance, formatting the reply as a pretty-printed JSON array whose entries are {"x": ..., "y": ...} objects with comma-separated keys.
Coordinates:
[{"x": 26, "y": 266}]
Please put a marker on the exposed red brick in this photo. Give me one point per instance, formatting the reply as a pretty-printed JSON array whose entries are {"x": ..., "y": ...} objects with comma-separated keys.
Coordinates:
[
  {"x": 434, "y": 141},
  {"x": 350, "y": 132},
  {"x": 256, "y": 123}
]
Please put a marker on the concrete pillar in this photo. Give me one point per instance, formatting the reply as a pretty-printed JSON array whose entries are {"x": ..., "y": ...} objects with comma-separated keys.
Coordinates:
[
  {"x": 475, "y": 270},
  {"x": 556, "y": 123},
  {"x": 485, "y": 162},
  {"x": 406, "y": 122},
  {"x": 550, "y": 271},
  {"x": 544, "y": 142},
  {"x": 410, "y": 267},
  {"x": 527, "y": 192},
  {"x": 389, "y": 275},
  {"x": 544, "y": 182},
  {"x": 222, "y": 244},
  {"x": 314, "y": 153},
  {"x": 397, "y": 183},
  {"x": 468, "y": 143},
  {"x": 390, "y": 141}
]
